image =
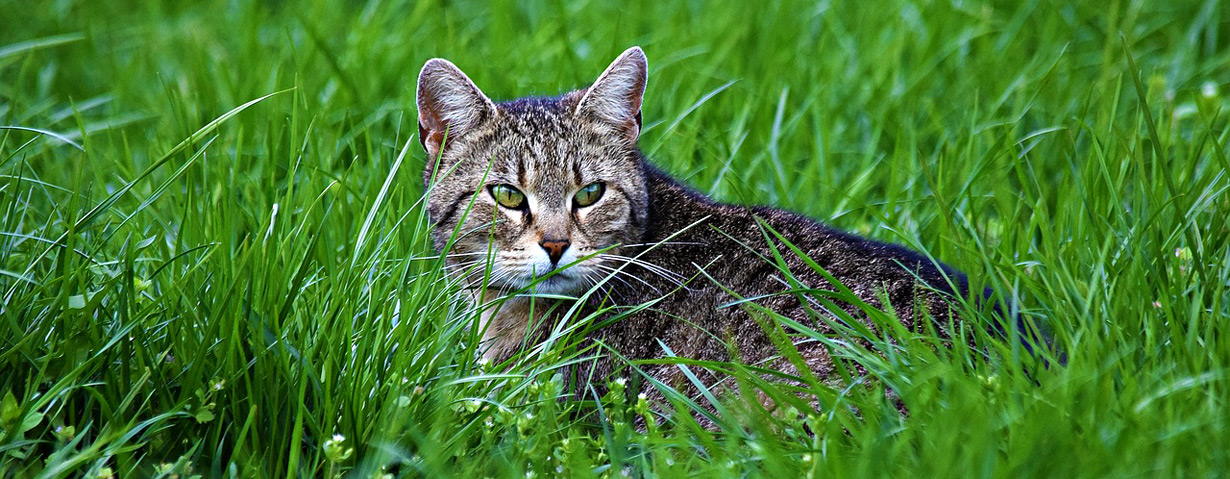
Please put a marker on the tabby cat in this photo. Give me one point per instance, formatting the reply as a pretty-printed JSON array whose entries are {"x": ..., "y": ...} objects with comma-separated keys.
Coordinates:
[{"x": 552, "y": 196}]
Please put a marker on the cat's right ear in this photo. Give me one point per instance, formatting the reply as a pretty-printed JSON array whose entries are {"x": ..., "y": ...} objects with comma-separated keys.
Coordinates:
[{"x": 448, "y": 102}]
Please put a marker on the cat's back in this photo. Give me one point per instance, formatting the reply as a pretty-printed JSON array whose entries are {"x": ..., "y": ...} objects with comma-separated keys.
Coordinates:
[
  {"x": 702, "y": 264},
  {"x": 737, "y": 251}
]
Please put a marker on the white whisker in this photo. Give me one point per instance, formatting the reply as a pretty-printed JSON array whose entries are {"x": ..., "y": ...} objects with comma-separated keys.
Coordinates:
[
  {"x": 615, "y": 272},
  {"x": 612, "y": 273},
  {"x": 671, "y": 276},
  {"x": 664, "y": 243}
]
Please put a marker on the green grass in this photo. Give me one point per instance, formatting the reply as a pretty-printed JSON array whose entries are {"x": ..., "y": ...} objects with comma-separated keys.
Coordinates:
[{"x": 234, "y": 293}]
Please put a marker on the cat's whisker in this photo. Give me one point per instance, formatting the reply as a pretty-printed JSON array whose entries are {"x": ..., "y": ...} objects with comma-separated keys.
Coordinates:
[
  {"x": 498, "y": 275},
  {"x": 612, "y": 273},
  {"x": 616, "y": 272},
  {"x": 671, "y": 276},
  {"x": 496, "y": 280},
  {"x": 466, "y": 255},
  {"x": 641, "y": 262},
  {"x": 663, "y": 243},
  {"x": 605, "y": 289},
  {"x": 493, "y": 282},
  {"x": 452, "y": 279},
  {"x": 621, "y": 271},
  {"x": 463, "y": 264},
  {"x": 465, "y": 271},
  {"x": 616, "y": 288},
  {"x": 614, "y": 291},
  {"x": 448, "y": 256},
  {"x": 452, "y": 271}
]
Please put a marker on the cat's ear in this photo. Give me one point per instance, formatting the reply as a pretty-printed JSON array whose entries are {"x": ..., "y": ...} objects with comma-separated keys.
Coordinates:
[
  {"x": 616, "y": 96},
  {"x": 448, "y": 101}
]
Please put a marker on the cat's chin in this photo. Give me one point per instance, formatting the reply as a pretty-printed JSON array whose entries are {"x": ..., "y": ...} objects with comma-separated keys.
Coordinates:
[{"x": 560, "y": 283}]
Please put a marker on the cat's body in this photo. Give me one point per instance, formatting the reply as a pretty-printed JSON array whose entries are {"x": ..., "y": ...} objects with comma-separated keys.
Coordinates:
[
  {"x": 527, "y": 172},
  {"x": 701, "y": 320}
]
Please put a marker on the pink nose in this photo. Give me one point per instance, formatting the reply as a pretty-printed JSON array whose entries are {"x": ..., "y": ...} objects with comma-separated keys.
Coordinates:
[{"x": 554, "y": 248}]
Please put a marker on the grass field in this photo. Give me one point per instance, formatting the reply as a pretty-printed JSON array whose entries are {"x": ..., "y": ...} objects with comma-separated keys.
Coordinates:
[{"x": 214, "y": 259}]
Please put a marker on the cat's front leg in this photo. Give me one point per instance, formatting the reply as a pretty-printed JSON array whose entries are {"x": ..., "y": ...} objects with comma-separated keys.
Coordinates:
[{"x": 503, "y": 325}]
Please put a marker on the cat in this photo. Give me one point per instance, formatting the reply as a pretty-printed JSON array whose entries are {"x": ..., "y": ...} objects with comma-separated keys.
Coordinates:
[{"x": 552, "y": 196}]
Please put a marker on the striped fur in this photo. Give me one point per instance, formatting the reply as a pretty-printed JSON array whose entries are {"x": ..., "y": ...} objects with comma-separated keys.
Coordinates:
[{"x": 690, "y": 251}]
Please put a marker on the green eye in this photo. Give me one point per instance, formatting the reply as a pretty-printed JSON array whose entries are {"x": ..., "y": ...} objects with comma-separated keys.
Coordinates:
[
  {"x": 507, "y": 196},
  {"x": 589, "y": 194}
]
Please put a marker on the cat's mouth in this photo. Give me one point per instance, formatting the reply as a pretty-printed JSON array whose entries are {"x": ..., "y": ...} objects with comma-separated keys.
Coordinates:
[
  {"x": 556, "y": 281},
  {"x": 535, "y": 277}
]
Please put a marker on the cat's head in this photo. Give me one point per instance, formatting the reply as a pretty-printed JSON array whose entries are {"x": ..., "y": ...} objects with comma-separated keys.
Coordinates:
[{"x": 536, "y": 183}]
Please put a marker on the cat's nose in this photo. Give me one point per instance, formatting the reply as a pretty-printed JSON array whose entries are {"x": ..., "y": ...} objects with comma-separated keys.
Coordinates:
[{"x": 555, "y": 248}]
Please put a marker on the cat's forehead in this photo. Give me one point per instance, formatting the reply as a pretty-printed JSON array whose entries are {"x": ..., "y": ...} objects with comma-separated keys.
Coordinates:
[
  {"x": 542, "y": 144},
  {"x": 543, "y": 131},
  {"x": 536, "y": 117}
]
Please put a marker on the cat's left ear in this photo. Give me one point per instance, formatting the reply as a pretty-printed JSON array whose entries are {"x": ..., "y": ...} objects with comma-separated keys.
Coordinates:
[{"x": 616, "y": 96}]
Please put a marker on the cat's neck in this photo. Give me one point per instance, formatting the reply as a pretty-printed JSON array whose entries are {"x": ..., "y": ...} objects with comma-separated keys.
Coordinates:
[{"x": 675, "y": 210}]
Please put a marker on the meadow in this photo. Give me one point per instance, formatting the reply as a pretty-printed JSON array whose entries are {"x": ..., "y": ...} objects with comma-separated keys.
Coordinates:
[{"x": 215, "y": 262}]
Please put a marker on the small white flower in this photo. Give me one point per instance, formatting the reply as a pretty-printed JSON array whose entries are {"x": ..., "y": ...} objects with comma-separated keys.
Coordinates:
[{"x": 335, "y": 450}]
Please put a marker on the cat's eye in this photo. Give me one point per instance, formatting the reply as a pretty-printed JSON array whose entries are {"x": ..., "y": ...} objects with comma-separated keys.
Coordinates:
[
  {"x": 589, "y": 194},
  {"x": 507, "y": 196}
]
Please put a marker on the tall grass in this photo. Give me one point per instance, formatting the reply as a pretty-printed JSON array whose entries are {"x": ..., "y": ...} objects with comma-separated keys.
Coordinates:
[{"x": 214, "y": 259}]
